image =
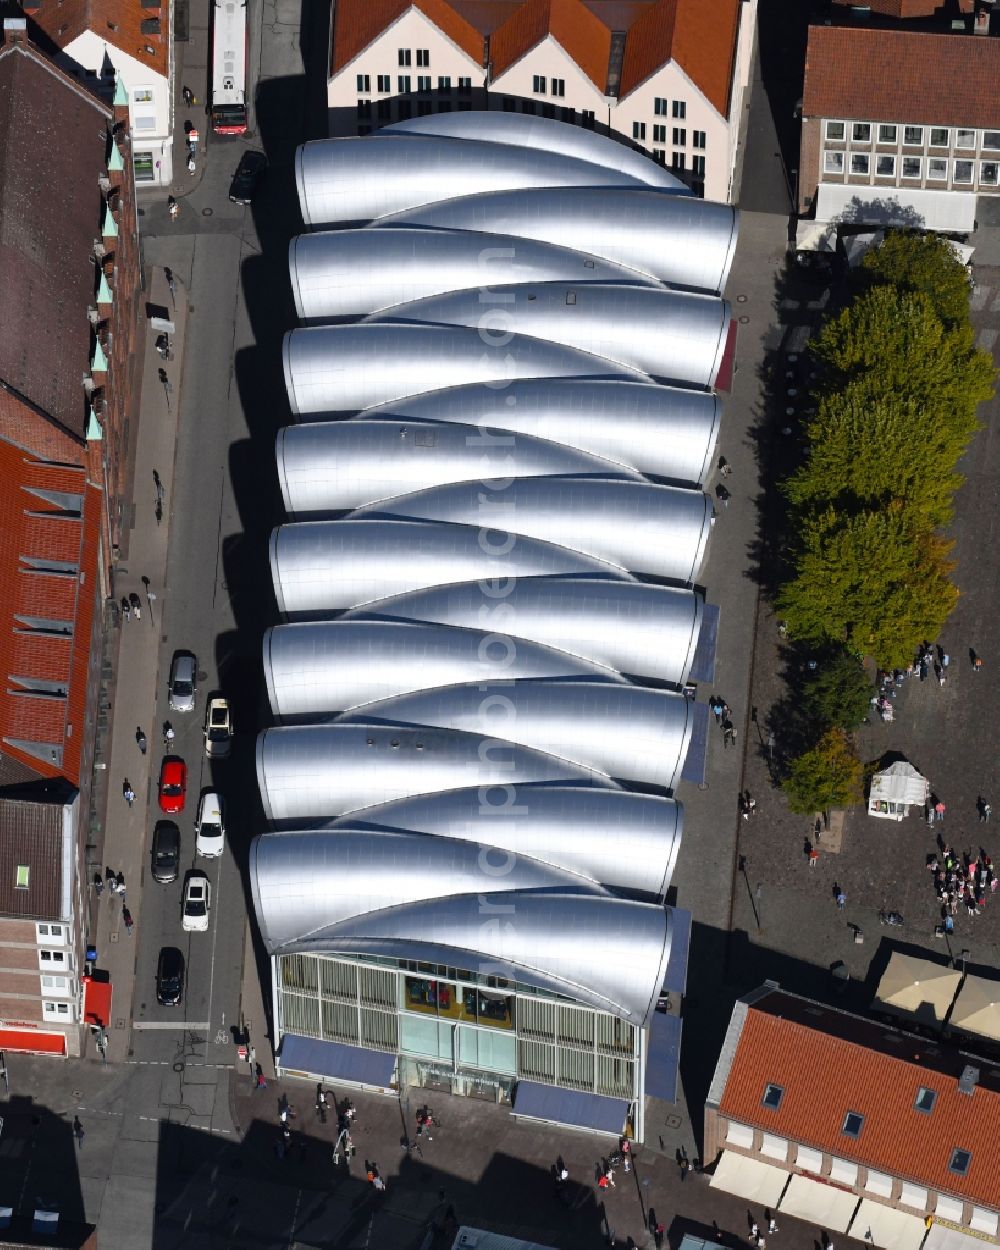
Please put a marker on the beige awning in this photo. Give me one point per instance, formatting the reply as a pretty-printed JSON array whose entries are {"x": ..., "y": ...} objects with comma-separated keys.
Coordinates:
[
  {"x": 977, "y": 1008},
  {"x": 917, "y": 988},
  {"x": 886, "y": 1227},
  {"x": 947, "y": 1237},
  {"x": 749, "y": 1179},
  {"x": 823, "y": 1205}
]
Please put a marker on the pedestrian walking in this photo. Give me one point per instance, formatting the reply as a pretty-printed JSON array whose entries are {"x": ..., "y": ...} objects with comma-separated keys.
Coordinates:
[
  {"x": 813, "y": 857},
  {"x": 984, "y": 810},
  {"x": 109, "y": 876},
  {"x": 78, "y": 1132},
  {"x": 126, "y": 610},
  {"x": 939, "y": 810},
  {"x": 128, "y": 794},
  {"x": 754, "y": 1230},
  {"x": 772, "y": 1226},
  {"x": 716, "y": 704},
  {"x": 723, "y": 495},
  {"x": 725, "y": 468},
  {"x": 977, "y": 661},
  {"x": 120, "y": 883},
  {"x": 136, "y": 605},
  {"x": 841, "y": 900},
  {"x": 728, "y": 733},
  {"x": 685, "y": 1168},
  {"x": 98, "y": 884},
  {"x": 168, "y": 734},
  {"x": 140, "y": 739},
  {"x": 127, "y": 919}
]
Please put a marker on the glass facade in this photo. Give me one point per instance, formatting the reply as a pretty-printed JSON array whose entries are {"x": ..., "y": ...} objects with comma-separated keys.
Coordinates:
[{"x": 478, "y": 1032}]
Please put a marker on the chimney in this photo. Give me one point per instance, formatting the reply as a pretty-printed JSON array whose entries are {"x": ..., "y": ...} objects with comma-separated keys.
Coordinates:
[
  {"x": 15, "y": 30},
  {"x": 969, "y": 1079}
]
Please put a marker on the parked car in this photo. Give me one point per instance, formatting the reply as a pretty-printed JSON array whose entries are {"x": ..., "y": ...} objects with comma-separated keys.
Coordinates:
[
  {"x": 166, "y": 853},
  {"x": 210, "y": 829},
  {"x": 218, "y": 729},
  {"x": 173, "y": 784},
  {"x": 197, "y": 901},
  {"x": 183, "y": 683},
  {"x": 248, "y": 174},
  {"x": 169, "y": 977}
]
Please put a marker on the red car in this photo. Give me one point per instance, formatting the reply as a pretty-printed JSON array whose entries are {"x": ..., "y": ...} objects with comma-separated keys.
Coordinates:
[{"x": 173, "y": 784}]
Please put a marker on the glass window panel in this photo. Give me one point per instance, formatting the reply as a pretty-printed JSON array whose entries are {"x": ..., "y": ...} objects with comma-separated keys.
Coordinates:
[
  {"x": 939, "y": 136},
  {"x": 963, "y": 171},
  {"x": 418, "y": 1035},
  {"x": 835, "y": 131},
  {"x": 861, "y": 132},
  {"x": 299, "y": 972},
  {"x": 859, "y": 163},
  {"x": 576, "y": 1068},
  {"x": 340, "y": 1022},
  {"x": 937, "y": 168},
  {"x": 300, "y": 1014},
  {"x": 912, "y": 166},
  {"x": 913, "y": 135},
  {"x": 379, "y": 1029},
  {"x": 991, "y": 140},
  {"x": 615, "y": 1077},
  {"x": 988, "y": 171},
  {"x": 965, "y": 138},
  {"x": 833, "y": 162},
  {"x": 536, "y": 1061},
  {"x": 885, "y": 166},
  {"x": 887, "y": 133}
]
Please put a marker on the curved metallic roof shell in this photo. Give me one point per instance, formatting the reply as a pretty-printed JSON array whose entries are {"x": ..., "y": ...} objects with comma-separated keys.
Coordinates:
[
  {"x": 673, "y": 335},
  {"x": 542, "y": 134},
  {"x": 320, "y": 667},
  {"x": 334, "y": 466},
  {"x": 609, "y": 953},
  {"x": 327, "y": 566},
  {"x": 570, "y": 720},
  {"x": 353, "y": 273},
  {"x": 677, "y": 239},
  {"x": 617, "y": 838},
  {"x": 664, "y": 431},
  {"x": 342, "y": 180},
  {"x": 317, "y": 772},
  {"x": 306, "y": 881},
  {"x": 345, "y": 368},
  {"x": 645, "y": 631},
  {"x": 656, "y": 531}
]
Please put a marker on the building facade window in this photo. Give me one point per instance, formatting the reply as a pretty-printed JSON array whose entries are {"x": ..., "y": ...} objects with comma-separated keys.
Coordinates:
[
  {"x": 403, "y": 84},
  {"x": 384, "y": 83},
  {"x": 660, "y": 156},
  {"x": 698, "y": 138},
  {"x": 885, "y": 166},
  {"x": 860, "y": 163},
  {"x": 364, "y": 83},
  {"x": 142, "y": 165},
  {"x": 383, "y": 110},
  {"x": 962, "y": 172},
  {"x": 861, "y": 132},
  {"x": 988, "y": 172},
  {"x": 57, "y": 1011},
  {"x": 887, "y": 133},
  {"x": 835, "y": 132},
  {"x": 991, "y": 140},
  {"x": 404, "y": 56},
  {"x": 773, "y": 1095},
  {"x": 833, "y": 162},
  {"x": 364, "y": 108},
  {"x": 677, "y": 160},
  {"x": 52, "y": 959},
  {"x": 423, "y": 58},
  {"x": 913, "y": 166},
  {"x": 913, "y": 136},
  {"x": 465, "y": 86},
  {"x": 51, "y": 933},
  {"x": 538, "y": 84},
  {"x": 698, "y": 166},
  {"x": 680, "y": 137},
  {"x": 660, "y": 106},
  {"x": 940, "y": 136},
  {"x": 588, "y": 118},
  {"x": 423, "y": 82},
  {"x": 680, "y": 110},
  {"x": 639, "y": 131},
  {"x": 22, "y": 876},
  {"x": 659, "y": 134},
  {"x": 965, "y": 139},
  {"x": 568, "y": 114},
  {"x": 444, "y": 82},
  {"x": 558, "y": 87},
  {"x": 937, "y": 168}
]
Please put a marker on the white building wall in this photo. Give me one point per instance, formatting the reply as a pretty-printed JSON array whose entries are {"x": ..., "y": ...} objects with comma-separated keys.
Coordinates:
[
  {"x": 149, "y": 104},
  {"x": 413, "y": 31},
  {"x": 550, "y": 61}
]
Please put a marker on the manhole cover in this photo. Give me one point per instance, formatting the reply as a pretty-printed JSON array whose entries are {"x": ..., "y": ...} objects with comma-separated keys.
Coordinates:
[
  {"x": 741, "y": 299},
  {"x": 744, "y": 321},
  {"x": 207, "y": 212},
  {"x": 77, "y": 1095}
]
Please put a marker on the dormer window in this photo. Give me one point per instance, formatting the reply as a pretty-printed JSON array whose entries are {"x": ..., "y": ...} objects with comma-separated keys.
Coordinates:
[
  {"x": 960, "y": 1160},
  {"x": 773, "y": 1095},
  {"x": 852, "y": 1125},
  {"x": 926, "y": 1098}
]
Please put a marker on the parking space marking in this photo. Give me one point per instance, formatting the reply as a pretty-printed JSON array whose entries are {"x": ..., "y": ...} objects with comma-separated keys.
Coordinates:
[{"x": 164, "y": 1025}]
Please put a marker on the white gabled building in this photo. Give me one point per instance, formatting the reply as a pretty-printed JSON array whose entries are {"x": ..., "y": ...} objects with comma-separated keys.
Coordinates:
[
  {"x": 672, "y": 80},
  {"x": 129, "y": 44}
]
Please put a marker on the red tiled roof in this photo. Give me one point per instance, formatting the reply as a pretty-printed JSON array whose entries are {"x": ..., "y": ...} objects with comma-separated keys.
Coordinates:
[
  {"x": 829, "y": 1063},
  {"x": 902, "y": 76},
  {"x": 34, "y": 527},
  {"x": 585, "y": 38},
  {"x": 904, "y": 9},
  {"x": 117, "y": 22},
  {"x": 358, "y": 23},
  {"x": 698, "y": 36}
]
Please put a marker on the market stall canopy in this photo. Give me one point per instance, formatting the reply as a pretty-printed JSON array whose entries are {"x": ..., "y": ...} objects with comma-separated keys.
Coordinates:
[
  {"x": 917, "y": 988},
  {"x": 977, "y": 1008},
  {"x": 895, "y": 790},
  {"x": 816, "y": 236}
]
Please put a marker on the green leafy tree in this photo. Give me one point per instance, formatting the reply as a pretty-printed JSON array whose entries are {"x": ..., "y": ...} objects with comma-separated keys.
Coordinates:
[
  {"x": 872, "y": 582},
  {"x": 911, "y": 261},
  {"x": 829, "y": 775},
  {"x": 838, "y": 695}
]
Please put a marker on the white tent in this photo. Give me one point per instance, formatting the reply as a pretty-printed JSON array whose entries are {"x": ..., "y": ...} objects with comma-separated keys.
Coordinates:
[{"x": 895, "y": 790}]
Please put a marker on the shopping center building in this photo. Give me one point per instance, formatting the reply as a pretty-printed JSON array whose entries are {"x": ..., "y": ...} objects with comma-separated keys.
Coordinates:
[{"x": 484, "y": 683}]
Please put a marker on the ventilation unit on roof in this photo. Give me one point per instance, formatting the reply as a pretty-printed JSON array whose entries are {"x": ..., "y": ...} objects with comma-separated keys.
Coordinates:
[
  {"x": 92, "y": 315},
  {"x": 969, "y": 1079}
]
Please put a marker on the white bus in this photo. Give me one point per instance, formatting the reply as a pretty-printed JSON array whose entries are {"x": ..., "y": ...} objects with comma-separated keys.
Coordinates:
[{"x": 229, "y": 67}]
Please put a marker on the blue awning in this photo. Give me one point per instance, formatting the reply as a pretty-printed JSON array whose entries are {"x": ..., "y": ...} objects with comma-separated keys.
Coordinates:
[
  {"x": 664, "y": 1056},
  {"x": 703, "y": 664},
  {"x": 694, "y": 763},
  {"x": 675, "y": 978},
  {"x": 569, "y": 1106},
  {"x": 336, "y": 1061}
]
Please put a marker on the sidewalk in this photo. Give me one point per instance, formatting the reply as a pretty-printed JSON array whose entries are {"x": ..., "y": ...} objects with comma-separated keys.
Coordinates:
[{"x": 128, "y": 829}]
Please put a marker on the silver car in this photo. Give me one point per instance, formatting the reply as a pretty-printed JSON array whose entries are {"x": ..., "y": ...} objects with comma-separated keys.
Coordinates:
[{"x": 183, "y": 684}]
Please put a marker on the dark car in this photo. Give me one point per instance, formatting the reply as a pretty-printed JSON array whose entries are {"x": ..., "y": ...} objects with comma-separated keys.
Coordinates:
[
  {"x": 170, "y": 977},
  {"x": 166, "y": 851},
  {"x": 249, "y": 172}
]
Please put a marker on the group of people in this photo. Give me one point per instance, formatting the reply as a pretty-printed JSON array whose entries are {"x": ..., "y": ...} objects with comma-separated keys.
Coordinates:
[
  {"x": 131, "y": 606},
  {"x": 930, "y": 658},
  {"x": 961, "y": 880},
  {"x": 724, "y": 719}
]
